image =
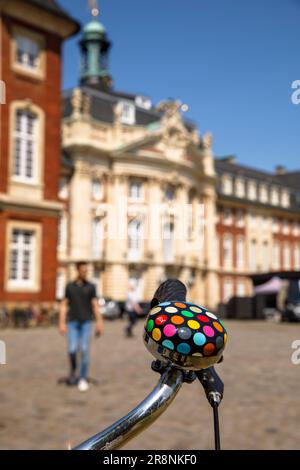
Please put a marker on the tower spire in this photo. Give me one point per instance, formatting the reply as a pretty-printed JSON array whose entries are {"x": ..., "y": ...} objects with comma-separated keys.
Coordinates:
[{"x": 95, "y": 48}]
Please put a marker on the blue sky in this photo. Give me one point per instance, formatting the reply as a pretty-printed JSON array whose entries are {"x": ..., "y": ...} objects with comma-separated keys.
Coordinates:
[{"x": 232, "y": 61}]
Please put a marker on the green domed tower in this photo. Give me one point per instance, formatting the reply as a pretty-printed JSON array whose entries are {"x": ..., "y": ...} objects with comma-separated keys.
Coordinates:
[{"x": 95, "y": 48}]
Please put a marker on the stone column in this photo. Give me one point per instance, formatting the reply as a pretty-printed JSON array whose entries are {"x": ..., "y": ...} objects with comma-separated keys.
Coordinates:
[
  {"x": 115, "y": 281},
  {"x": 182, "y": 245},
  {"x": 154, "y": 245},
  {"x": 80, "y": 222}
]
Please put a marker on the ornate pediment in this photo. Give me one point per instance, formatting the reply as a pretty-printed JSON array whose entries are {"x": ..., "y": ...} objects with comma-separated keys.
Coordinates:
[{"x": 174, "y": 133}]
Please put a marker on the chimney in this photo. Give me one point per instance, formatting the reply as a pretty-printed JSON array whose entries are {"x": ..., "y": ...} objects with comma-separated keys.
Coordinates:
[{"x": 280, "y": 170}]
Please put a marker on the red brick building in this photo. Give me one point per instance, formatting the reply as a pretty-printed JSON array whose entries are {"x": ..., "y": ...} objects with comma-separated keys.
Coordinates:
[
  {"x": 31, "y": 37},
  {"x": 258, "y": 225}
]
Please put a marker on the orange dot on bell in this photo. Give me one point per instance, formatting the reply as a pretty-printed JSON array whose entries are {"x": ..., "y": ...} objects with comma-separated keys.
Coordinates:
[
  {"x": 217, "y": 326},
  {"x": 177, "y": 320},
  {"x": 180, "y": 305}
]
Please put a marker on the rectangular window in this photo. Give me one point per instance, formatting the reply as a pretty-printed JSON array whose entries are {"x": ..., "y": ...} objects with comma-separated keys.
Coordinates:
[
  {"x": 97, "y": 235},
  {"x": 252, "y": 190},
  {"x": 286, "y": 257},
  {"x": 127, "y": 113},
  {"x": 22, "y": 246},
  {"x": 240, "y": 218},
  {"x": 25, "y": 146},
  {"x": 135, "y": 239},
  {"x": 253, "y": 255},
  {"x": 274, "y": 196},
  {"x": 240, "y": 253},
  {"x": 28, "y": 52},
  {"x": 227, "y": 251},
  {"x": 136, "y": 191},
  {"x": 226, "y": 184},
  {"x": 168, "y": 241},
  {"x": 62, "y": 234},
  {"x": 263, "y": 194},
  {"x": 276, "y": 255},
  {"x": 285, "y": 198},
  {"x": 97, "y": 190},
  {"x": 240, "y": 187}
]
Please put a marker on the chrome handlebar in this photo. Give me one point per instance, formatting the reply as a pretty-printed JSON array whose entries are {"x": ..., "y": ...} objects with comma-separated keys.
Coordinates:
[{"x": 116, "y": 435}]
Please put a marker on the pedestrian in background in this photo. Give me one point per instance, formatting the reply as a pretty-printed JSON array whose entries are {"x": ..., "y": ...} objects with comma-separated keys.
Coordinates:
[
  {"x": 76, "y": 313},
  {"x": 133, "y": 309}
]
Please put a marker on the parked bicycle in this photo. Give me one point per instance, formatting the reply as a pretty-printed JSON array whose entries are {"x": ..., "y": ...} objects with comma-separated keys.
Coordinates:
[{"x": 186, "y": 341}]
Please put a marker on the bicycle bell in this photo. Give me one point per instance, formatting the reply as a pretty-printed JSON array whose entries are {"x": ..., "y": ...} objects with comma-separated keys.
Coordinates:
[{"x": 185, "y": 334}]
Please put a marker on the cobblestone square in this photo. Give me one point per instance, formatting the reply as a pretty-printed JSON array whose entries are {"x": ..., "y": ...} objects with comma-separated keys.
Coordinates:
[{"x": 260, "y": 409}]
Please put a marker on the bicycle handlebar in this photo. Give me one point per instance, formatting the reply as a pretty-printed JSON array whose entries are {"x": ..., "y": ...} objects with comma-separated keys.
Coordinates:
[{"x": 141, "y": 417}]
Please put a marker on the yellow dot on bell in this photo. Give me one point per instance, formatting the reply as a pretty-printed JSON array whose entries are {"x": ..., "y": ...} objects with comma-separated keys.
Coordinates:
[
  {"x": 194, "y": 324},
  {"x": 156, "y": 334}
]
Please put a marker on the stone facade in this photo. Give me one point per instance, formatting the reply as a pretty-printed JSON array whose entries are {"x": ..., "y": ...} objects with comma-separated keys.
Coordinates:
[{"x": 149, "y": 191}]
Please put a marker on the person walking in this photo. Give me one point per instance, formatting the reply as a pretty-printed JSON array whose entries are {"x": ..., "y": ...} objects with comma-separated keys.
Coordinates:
[
  {"x": 75, "y": 319},
  {"x": 133, "y": 309}
]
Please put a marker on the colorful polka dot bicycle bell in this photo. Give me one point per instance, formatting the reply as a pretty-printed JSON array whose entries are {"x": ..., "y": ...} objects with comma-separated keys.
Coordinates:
[{"x": 185, "y": 334}]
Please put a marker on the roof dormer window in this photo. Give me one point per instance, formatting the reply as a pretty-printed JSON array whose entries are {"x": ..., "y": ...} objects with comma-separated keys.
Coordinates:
[{"x": 127, "y": 113}]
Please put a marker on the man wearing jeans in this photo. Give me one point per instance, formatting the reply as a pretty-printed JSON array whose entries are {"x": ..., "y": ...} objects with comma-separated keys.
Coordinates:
[{"x": 75, "y": 319}]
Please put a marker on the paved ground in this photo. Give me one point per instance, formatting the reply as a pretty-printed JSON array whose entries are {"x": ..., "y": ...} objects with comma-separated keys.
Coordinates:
[{"x": 261, "y": 409}]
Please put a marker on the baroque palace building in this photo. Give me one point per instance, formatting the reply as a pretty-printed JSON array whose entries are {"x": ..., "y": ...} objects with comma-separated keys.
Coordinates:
[
  {"x": 130, "y": 170},
  {"x": 145, "y": 199},
  {"x": 31, "y": 35}
]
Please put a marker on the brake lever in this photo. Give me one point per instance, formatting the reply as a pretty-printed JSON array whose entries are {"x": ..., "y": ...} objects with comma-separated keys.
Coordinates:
[{"x": 212, "y": 384}]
